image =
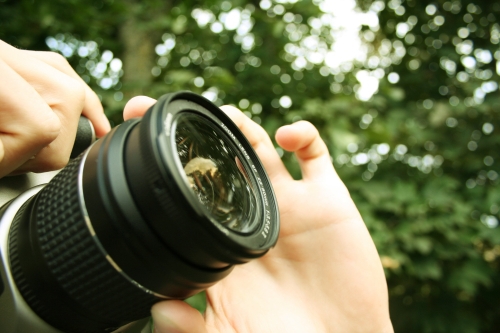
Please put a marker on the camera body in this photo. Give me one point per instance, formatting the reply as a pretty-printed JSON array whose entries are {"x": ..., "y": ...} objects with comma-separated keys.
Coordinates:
[{"x": 160, "y": 208}]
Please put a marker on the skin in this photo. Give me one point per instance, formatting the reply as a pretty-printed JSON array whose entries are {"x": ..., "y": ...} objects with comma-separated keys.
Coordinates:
[
  {"x": 324, "y": 275},
  {"x": 42, "y": 100}
]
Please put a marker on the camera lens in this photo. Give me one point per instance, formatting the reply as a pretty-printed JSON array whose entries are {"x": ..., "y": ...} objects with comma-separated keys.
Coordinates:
[
  {"x": 160, "y": 208},
  {"x": 215, "y": 173}
]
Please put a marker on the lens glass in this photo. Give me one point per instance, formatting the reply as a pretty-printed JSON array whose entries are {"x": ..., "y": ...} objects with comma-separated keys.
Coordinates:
[{"x": 215, "y": 173}]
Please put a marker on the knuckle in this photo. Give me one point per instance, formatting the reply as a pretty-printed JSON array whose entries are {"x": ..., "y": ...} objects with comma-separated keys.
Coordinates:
[
  {"x": 260, "y": 133},
  {"x": 57, "y": 58},
  {"x": 46, "y": 129},
  {"x": 75, "y": 93},
  {"x": 49, "y": 159},
  {"x": 58, "y": 162}
]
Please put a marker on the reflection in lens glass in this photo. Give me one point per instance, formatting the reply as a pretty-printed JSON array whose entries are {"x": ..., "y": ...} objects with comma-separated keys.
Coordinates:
[{"x": 215, "y": 173}]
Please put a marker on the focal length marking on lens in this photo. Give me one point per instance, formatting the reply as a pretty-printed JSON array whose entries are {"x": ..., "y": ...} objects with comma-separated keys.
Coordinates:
[
  {"x": 234, "y": 138},
  {"x": 254, "y": 169},
  {"x": 267, "y": 217},
  {"x": 88, "y": 223},
  {"x": 227, "y": 130}
]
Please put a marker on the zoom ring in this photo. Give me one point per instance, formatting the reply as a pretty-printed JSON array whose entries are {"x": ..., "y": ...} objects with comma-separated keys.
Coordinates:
[{"x": 76, "y": 262}]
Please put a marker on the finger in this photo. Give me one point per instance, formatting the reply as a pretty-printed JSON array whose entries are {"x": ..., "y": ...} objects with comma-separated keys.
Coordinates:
[
  {"x": 92, "y": 107},
  {"x": 62, "y": 93},
  {"x": 27, "y": 124},
  {"x": 177, "y": 317},
  {"x": 137, "y": 107},
  {"x": 260, "y": 141},
  {"x": 303, "y": 139}
]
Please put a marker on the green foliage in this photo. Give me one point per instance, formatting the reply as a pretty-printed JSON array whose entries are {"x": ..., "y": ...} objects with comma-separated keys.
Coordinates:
[
  {"x": 198, "y": 301},
  {"x": 420, "y": 157}
]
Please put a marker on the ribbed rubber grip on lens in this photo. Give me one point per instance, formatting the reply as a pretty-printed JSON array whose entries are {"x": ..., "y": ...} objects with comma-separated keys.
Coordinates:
[{"x": 86, "y": 280}]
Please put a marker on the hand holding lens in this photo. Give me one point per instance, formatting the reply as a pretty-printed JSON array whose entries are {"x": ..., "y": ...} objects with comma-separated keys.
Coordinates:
[{"x": 160, "y": 208}]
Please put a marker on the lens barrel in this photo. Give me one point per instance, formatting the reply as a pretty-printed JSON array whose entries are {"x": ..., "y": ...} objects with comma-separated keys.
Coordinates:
[{"x": 160, "y": 208}]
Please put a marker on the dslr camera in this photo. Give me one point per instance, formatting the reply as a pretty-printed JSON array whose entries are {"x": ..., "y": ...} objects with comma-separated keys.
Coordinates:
[{"x": 160, "y": 208}]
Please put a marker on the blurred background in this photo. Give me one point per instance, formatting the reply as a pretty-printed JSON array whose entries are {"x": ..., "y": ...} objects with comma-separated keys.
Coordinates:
[{"x": 404, "y": 92}]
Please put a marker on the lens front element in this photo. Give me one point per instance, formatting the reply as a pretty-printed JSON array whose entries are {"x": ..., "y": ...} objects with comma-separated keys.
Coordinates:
[{"x": 215, "y": 172}]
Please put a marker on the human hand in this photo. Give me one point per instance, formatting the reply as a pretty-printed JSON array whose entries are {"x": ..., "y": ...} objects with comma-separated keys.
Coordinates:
[
  {"x": 41, "y": 101},
  {"x": 324, "y": 275}
]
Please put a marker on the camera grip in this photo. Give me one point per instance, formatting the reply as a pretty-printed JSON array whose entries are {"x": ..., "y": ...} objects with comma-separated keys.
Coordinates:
[{"x": 85, "y": 136}]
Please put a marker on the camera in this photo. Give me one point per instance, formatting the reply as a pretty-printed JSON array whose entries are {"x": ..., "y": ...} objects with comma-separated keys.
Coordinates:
[{"x": 160, "y": 208}]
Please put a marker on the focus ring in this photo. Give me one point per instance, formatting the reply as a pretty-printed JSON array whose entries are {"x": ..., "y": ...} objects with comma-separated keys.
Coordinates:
[
  {"x": 74, "y": 257},
  {"x": 75, "y": 261}
]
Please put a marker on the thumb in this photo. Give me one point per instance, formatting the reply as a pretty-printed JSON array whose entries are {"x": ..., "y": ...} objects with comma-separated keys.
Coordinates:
[
  {"x": 177, "y": 317},
  {"x": 137, "y": 107},
  {"x": 304, "y": 140}
]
